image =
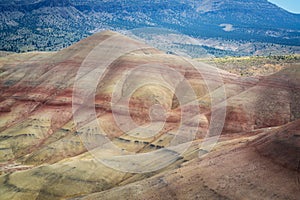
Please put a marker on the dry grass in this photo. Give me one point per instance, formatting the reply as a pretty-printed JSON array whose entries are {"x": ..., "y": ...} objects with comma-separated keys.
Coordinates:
[{"x": 253, "y": 66}]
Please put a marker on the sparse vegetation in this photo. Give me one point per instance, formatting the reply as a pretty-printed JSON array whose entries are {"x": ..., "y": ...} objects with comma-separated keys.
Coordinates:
[
  {"x": 49, "y": 25},
  {"x": 253, "y": 65}
]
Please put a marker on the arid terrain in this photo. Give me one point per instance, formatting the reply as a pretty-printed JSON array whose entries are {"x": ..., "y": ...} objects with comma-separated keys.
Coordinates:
[
  {"x": 253, "y": 66},
  {"x": 53, "y": 131}
]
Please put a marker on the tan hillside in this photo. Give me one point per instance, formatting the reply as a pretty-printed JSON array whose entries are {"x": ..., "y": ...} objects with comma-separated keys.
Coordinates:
[{"x": 50, "y": 145}]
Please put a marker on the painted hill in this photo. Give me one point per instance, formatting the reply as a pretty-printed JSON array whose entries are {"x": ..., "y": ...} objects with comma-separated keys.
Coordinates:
[
  {"x": 50, "y": 141},
  {"x": 259, "y": 172}
]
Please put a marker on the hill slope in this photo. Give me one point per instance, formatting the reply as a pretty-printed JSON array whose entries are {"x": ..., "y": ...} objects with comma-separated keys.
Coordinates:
[{"x": 49, "y": 146}]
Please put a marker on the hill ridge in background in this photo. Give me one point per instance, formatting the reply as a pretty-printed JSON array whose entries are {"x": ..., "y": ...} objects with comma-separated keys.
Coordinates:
[{"x": 245, "y": 27}]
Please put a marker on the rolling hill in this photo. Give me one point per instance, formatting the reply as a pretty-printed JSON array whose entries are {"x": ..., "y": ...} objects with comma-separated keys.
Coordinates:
[{"x": 200, "y": 132}]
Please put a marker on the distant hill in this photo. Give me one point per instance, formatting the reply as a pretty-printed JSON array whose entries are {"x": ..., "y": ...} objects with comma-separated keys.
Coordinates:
[
  {"x": 54, "y": 24},
  {"x": 253, "y": 66}
]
